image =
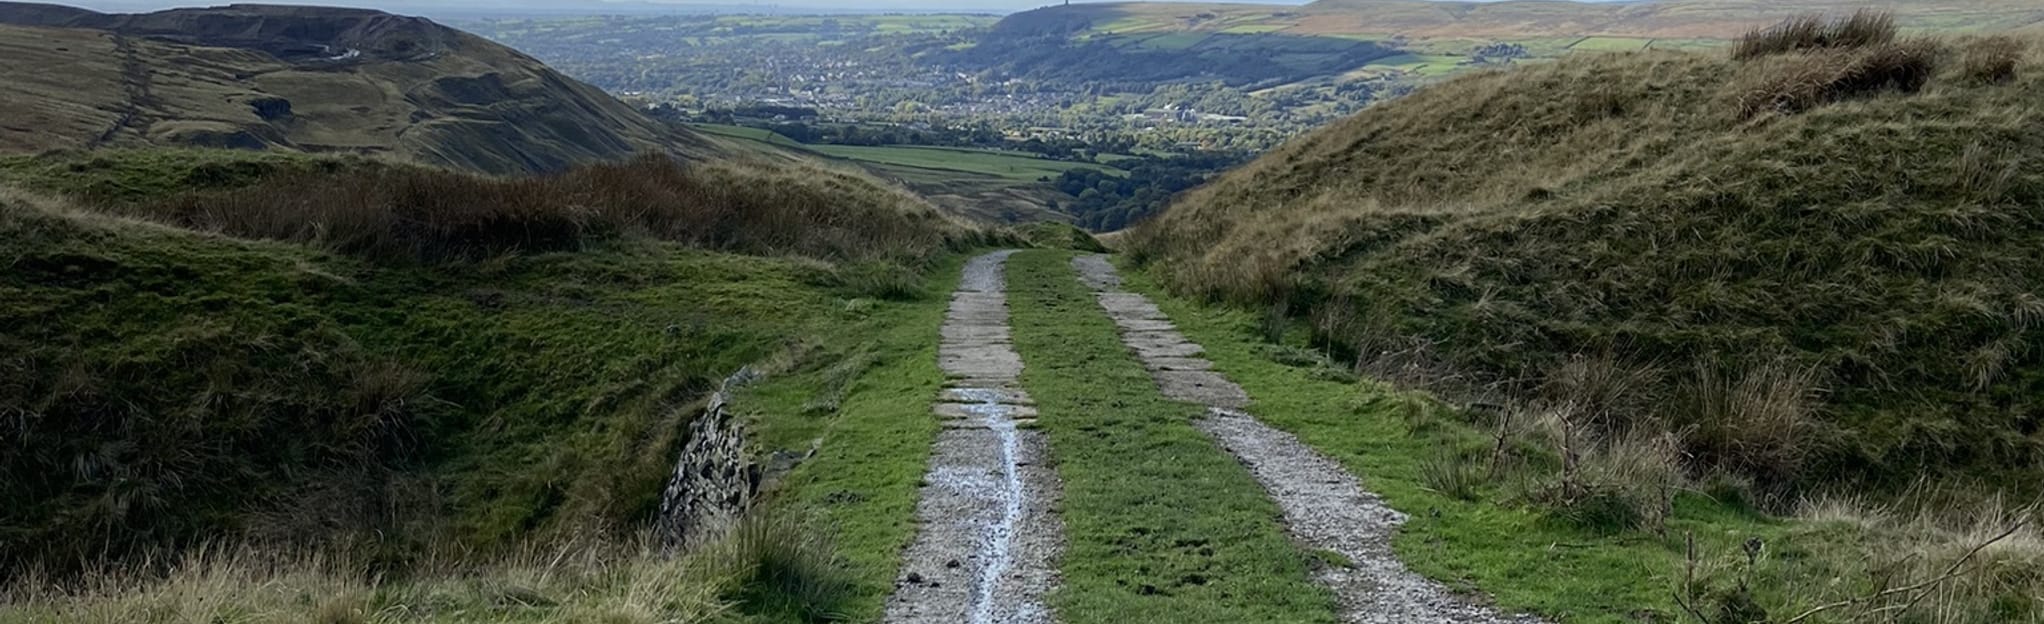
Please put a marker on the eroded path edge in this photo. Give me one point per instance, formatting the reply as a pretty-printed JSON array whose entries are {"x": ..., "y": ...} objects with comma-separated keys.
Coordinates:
[
  {"x": 1325, "y": 507},
  {"x": 988, "y": 539}
]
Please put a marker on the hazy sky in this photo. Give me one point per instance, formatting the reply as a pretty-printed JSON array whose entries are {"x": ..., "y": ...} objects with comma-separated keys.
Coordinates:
[{"x": 480, "y": 7}]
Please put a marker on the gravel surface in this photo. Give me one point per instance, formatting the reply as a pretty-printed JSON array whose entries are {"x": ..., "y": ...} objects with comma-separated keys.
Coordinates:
[
  {"x": 988, "y": 541},
  {"x": 1325, "y": 507}
]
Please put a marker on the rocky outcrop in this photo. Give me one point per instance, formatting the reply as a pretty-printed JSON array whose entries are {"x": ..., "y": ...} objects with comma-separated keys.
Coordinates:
[{"x": 715, "y": 479}]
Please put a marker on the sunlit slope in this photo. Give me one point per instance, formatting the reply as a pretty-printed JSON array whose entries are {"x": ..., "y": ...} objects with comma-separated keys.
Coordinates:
[{"x": 1866, "y": 215}]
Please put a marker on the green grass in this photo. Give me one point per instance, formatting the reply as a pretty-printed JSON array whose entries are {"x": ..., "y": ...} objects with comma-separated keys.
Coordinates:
[
  {"x": 1729, "y": 234},
  {"x": 1611, "y": 44},
  {"x": 868, "y": 402},
  {"x": 1421, "y": 64},
  {"x": 1161, "y": 524},
  {"x": 128, "y": 175},
  {"x": 1254, "y": 29},
  {"x": 747, "y": 132},
  {"x": 569, "y": 363},
  {"x": 1017, "y": 168},
  {"x": 989, "y": 184},
  {"x": 228, "y": 385},
  {"x": 1524, "y": 556}
]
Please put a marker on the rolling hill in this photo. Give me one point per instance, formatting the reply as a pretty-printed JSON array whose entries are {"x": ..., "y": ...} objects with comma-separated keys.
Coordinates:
[
  {"x": 304, "y": 79},
  {"x": 1513, "y": 19},
  {"x": 1275, "y": 45},
  {"x": 1845, "y": 237}
]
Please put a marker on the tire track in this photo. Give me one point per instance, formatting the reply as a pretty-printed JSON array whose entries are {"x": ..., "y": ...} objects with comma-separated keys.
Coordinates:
[
  {"x": 988, "y": 541},
  {"x": 1324, "y": 506}
]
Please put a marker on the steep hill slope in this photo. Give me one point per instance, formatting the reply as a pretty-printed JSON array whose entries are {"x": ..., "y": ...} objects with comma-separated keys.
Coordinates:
[
  {"x": 304, "y": 79},
  {"x": 344, "y": 348},
  {"x": 1808, "y": 264}
]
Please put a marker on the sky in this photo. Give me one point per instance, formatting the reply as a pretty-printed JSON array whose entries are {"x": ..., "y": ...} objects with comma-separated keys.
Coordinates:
[{"x": 457, "y": 8}]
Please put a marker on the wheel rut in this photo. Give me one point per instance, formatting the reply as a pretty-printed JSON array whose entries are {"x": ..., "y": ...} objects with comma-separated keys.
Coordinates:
[
  {"x": 987, "y": 542},
  {"x": 1324, "y": 506}
]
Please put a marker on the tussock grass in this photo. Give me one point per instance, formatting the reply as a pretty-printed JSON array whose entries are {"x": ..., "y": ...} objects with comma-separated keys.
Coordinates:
[
  {"x": 1817, "y": 262},
  {"x": 1864, "y": 28},
  {"x": 1797, "y": 84},
  {"x": 1993, "y": 60}
]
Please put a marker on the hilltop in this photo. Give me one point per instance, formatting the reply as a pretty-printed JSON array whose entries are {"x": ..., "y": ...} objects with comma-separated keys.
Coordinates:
[{"x": 304, "y": 79}]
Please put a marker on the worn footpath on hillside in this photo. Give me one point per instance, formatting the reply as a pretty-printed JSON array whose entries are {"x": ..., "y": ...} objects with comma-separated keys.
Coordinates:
[
  {"x": 988, "y": 541},
  {"x": 1324, "y": 506}
]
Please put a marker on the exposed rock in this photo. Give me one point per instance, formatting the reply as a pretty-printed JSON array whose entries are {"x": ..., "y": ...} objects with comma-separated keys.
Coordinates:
[{"x": 715, "y": 480}]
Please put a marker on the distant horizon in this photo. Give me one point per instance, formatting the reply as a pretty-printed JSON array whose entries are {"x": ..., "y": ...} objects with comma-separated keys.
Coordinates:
[{"x": 514, "y": 8}]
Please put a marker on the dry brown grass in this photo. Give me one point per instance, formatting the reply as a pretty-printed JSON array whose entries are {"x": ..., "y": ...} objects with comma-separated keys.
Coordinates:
[
  {"x": 772, "y": 563},
  {"x": 1795, "y": 84},
  {"x": 426, "y": 215},
  {"x": 1859, "y": 264},
  {"x": 1864, "y": 28},
  {"x": 1989, "y": 554},
  {"x": 1993, "y": 60},
  {"x": 1759, "y": 420}
]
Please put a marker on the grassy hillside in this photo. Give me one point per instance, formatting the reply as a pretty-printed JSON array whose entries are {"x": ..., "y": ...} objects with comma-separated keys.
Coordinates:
[
  {"x": 1303, "y": 45},
  {"x": 1721, "y": 20},
  {"x": 1811, "y": 266},
  {"x": 304, "y": 79},
  {"x": 405, "y": 367}
]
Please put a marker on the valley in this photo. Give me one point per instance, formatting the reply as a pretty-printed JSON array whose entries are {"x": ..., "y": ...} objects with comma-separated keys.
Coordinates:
[
  {"x": 1356, "y": 311},
  {"x": 1188, "y": 89}
]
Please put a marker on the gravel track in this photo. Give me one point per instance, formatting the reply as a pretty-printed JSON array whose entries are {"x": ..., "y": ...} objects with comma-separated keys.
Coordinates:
[
  {"x": 1325, "y": 507},
  {"x": 988, "y": 541}
]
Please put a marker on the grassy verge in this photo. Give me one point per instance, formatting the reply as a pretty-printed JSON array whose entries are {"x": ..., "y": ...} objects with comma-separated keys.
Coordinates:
[
  {"x": 866, "y": 409},
  {"x": 1477, "y": 532},
  {"x": 1161, "y": 524}
]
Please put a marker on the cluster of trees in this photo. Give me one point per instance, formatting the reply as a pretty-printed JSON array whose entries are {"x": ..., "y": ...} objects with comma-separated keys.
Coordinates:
[{"x": 1106, "y": 203}]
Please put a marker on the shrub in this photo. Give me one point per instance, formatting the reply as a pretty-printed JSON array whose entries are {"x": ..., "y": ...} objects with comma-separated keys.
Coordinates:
[{"x": 1864, "y": 28}]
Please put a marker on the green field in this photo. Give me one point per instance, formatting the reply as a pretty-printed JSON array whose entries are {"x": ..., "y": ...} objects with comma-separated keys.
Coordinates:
[
  {"x": 1611, "y": 44},
  {"x": 1020, "y": 168},
  {"x": 1421, "y": 64},
  {"x": 1016, "y": 166}
]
